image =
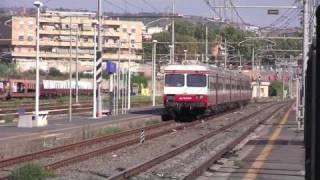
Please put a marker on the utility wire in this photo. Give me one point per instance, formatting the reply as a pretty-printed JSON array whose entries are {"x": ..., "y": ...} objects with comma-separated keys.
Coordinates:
[
  {"x": 134, "y": 6},
  {"x": 115, "y": 5},
  {"x": 150, "y": 5},
  {"x": 211, "y": 7}
]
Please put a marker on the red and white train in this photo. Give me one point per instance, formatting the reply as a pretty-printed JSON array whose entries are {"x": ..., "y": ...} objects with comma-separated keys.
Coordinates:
[{"x": 197, "y": 89}]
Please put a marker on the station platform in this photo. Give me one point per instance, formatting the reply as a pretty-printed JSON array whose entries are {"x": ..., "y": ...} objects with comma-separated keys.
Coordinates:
[
  {"x": 60, "y": 123},
  {"x": 274, "y": 152}
]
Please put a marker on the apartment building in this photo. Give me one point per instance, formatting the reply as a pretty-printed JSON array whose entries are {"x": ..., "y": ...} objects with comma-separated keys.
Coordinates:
[{"x": 61, "y": 30}]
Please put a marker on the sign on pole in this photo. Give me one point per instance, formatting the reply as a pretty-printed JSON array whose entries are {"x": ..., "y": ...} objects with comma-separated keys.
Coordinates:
[{"x": 273, "y": 11}]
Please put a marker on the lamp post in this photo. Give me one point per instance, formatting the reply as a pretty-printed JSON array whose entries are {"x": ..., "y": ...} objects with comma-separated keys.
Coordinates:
[
  {"x": 154, "y": 53},
  {"x": 37, "y": 4},
  {"x": 129, "y": 74},
  {"x": 77, "y": 72}
]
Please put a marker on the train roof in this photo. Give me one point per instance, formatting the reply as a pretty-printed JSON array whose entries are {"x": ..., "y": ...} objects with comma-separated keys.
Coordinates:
[{"x": 202, "y": 68}]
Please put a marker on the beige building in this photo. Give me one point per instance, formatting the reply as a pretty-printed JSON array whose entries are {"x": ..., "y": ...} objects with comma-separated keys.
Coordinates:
[{"x": 55, "y": 40}]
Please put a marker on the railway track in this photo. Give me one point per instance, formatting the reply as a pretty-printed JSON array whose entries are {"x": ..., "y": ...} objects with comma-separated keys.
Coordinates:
[
  {"x": 131, "y": 172},
  {"x": 54, "y": 109},
  {"x": 110, "y": 148},
  {"x": 200, "y": 169},
  {"x": 38, "y": 155}
]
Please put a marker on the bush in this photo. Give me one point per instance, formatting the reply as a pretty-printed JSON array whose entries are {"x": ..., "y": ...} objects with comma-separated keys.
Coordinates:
[
  {"x": 7, "y": 69},
  {"x": 140, "y": 79},
  {"x": 54, "y": 72},
  {"x": 30, "y": 172},
  {"x": 276, "y": 88}
]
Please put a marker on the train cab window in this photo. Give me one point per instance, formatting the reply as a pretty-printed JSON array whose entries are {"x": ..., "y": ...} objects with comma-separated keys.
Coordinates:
[
  {"x": 196, "y": 80},
  {"x": 174, "y": 80}
]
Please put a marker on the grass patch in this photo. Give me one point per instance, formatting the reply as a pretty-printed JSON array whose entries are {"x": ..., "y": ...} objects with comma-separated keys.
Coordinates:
[
  {"x": 240, "y": 164},
  {"x": 149, "y": 122},
  {"x": 110, "y": 130},
  {"x": 30, "y": 172}
]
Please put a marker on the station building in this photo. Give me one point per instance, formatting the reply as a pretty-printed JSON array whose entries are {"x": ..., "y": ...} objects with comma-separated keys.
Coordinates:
[{"x": 59, "y": 30}]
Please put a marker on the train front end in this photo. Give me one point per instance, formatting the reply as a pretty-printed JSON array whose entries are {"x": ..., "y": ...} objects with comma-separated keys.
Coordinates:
[{"x": 185, "y": 90}]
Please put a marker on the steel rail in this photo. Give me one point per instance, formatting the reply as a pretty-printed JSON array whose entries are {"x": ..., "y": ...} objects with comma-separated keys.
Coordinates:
[
  {"x": 207, "y": 164},
  {"x": 111, "y": 148},
  {"x": 148, "y": 164},
  {"x": 60, "y": 149}
]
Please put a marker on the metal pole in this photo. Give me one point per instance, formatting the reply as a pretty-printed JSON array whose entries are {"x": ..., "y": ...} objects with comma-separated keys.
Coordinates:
[
  {"x": 206, "y": 56},
  {"x": 225, "y": 56},
  {"x": 114, "y": 94},
  {"x": 94, "y": 115},
  {"x": 125, "y": 90},
  {"x": 122, "y": 92},
  {"x": 306, "y": 32},
  {"x": 70, "y": 73},
  {"x": 129, "y": 74},
  {"x": 173, "y": 34},
  {"x": 252, "y": 60},
  {"x": 99, "y": 105},
  {"x": 282, "y": 84},
  {"x": 37, "y": 4},
  {"x": 118, "y": 77},
  {"x": 154, "y": 73},
  {"x": 240, "y": 61},
  {"x": 77, "y": 72}
]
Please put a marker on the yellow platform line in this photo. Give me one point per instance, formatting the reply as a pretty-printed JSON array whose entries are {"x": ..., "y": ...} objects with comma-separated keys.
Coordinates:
[{"x": 263, "y": 155}]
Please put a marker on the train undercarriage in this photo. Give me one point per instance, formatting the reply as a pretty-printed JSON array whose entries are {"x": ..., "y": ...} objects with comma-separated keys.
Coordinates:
[{"x": 187, "y": 112}]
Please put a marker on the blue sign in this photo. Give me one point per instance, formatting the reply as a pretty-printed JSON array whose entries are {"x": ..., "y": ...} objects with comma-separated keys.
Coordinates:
[{"x": 111, "y": 67}]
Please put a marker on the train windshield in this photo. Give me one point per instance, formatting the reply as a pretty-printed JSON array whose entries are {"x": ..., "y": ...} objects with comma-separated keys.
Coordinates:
[
  {"x": 174, "y": 80},
  {"x": 196, "y": 80}
]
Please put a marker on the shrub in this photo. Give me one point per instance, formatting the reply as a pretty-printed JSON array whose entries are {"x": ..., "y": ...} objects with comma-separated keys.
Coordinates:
[
  {"x": 30, "y": 172},
  {"x": 109, "y": 130},
  {"x": 54, "y": 72},
  {"x": 7, "y": 69}
]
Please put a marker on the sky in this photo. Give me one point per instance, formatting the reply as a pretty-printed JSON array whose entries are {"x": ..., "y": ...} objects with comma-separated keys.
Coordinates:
[{"x": 254, "y": 16}]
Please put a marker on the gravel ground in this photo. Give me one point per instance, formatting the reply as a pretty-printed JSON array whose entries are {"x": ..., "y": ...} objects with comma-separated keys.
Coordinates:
[
  {"x": 112, "y": 163},
  {"x": 44, "y": 140},
  {"x": 58, "y": 157},
  {"x": 179, "y": 166}
]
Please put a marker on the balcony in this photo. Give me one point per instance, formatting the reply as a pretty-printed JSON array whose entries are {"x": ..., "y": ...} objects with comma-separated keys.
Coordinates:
[{"x": 66, "y": 56}]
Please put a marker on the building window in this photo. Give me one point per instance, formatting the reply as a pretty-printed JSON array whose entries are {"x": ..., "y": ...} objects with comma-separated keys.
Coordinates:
[
  {"x": 21, "y": 23},
  {"x": 124, "y": 30},
  {"x": 21, "y": 37},
  {"x": 132, "y": 41},
  {"x": 30, "y": 38},
  {"x": 133, "y": 30}
]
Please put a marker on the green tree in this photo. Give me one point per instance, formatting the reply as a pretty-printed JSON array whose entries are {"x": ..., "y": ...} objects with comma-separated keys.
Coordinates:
[
  {"x": 7, "y": 69},
  {"x": 276, "y": 88},
  {"x": 55, "y": 72}
]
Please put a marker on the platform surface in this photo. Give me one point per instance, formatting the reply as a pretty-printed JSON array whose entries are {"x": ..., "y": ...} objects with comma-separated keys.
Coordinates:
[
  {"x": 266, "y": 156},
  {"x": 60, "y": 123}
]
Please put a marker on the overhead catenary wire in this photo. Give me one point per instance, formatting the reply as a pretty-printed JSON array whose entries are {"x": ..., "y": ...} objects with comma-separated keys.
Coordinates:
[
  {"x": 150, "y": 5},
  {"x": 115, "y": 5}
]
